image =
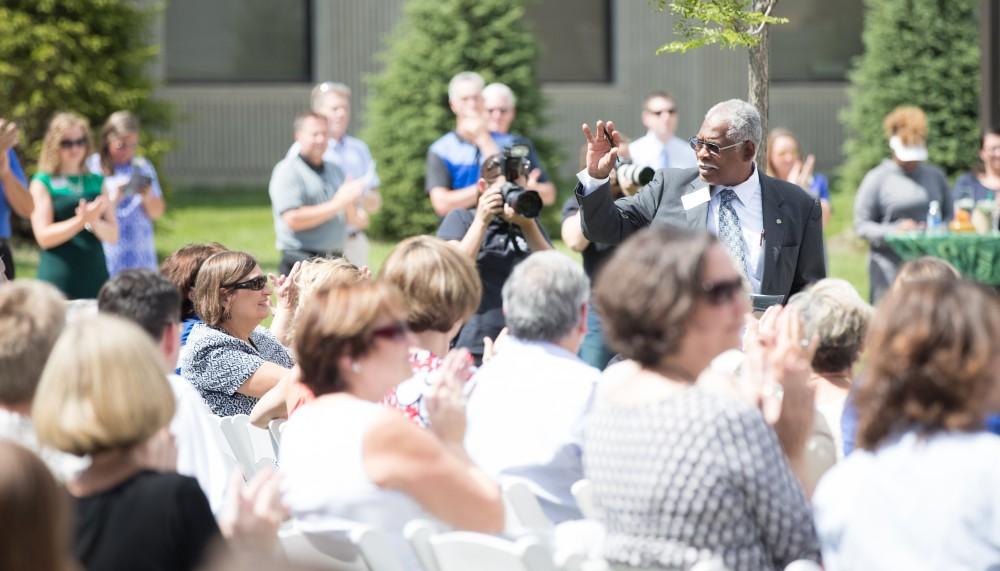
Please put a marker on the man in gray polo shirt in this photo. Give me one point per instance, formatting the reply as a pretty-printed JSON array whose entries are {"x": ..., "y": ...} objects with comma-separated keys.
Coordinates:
[{"x": 311, "y": 201}]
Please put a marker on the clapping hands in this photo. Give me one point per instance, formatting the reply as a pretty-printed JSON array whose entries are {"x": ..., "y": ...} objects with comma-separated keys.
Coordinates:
[
  {"x": 446, "y": 400},
  {"x": 286, "y": 287}
]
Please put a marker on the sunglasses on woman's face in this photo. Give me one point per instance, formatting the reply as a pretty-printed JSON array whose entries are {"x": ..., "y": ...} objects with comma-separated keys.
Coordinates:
[
  {"x": 723, "y": 292},
  {"x": 394, "y": 331},
  {"x": 253, "y": 284},
  {"x": 70, "y": 143}
]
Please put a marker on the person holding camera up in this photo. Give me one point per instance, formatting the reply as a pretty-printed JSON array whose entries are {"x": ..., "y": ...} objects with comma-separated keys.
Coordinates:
[{"x": 499, "y": 233}]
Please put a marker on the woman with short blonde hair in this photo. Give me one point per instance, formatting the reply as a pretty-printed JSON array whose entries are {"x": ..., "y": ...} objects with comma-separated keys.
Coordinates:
[
  {"x": 230, "y": 358},
  {"x": 73, "y": 214},
  {"x": 441, "y": 290}
]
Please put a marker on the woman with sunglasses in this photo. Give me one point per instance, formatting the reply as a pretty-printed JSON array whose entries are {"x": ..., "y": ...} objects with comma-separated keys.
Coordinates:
[
  {"x": 229, "y": 357},
  {"x": 72, "y": 214},
  {"x": 682, "y": 472},
  {"x": 346, "y": 457},
  {"x": 135, "y": 190}
]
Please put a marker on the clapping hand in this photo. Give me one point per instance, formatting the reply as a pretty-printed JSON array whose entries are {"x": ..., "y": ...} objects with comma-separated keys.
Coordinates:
[
  {"x": 286, "y": 287},
  {"x": 91, "y": 212},
  {"x": 8, "y": 135},
  {"x": 253, "y": 513},
  {"x": 602, "y": 151},
  {"x": 801, "y": 173},
  {"x": 446, "y": 399}
]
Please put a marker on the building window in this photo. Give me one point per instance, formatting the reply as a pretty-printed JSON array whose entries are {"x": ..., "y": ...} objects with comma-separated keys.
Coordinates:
[
  {"x": 238, "y": 41},
  {"x": 576, "y": 48},
  {"x": 818, "y": 42}
]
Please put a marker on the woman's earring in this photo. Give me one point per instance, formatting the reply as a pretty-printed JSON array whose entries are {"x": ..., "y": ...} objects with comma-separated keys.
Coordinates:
[{"x": 356, "y": 367}]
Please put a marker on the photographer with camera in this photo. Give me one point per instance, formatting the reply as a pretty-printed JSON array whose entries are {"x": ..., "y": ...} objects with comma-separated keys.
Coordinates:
[{"x": 499, "y": 233}]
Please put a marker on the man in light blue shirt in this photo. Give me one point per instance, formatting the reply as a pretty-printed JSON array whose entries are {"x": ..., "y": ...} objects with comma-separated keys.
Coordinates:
[
  {"x": 352, "y": 157},
  {"x": 528, "y": 403},
  {"x": 14, "y": 196},
  {"x": 659, "y": 148}
]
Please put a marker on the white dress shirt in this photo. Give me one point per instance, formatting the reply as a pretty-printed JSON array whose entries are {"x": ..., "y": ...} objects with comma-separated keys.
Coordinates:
[
  {"x": 750, "y": 209},
  {"x": 647, "y": 151},
  {"x": 525, "y": 420}
]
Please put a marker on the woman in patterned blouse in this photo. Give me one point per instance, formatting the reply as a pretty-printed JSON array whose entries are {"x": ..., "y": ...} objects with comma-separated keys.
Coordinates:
[
  {"x": 682, "y": 473},
  {"x": 230, "y": 358}
]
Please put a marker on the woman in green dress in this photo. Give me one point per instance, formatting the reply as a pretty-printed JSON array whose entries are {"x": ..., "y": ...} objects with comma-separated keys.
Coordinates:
[{"x": 72, "y": 214}]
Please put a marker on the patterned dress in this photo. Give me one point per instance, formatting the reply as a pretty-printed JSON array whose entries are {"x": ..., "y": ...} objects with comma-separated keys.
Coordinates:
[
  {"x": 218, "y": 364},
  {"x": 408, "y": 396},
  {"x": 135, "y": 247},
  {"x": 695, "y": 477}
]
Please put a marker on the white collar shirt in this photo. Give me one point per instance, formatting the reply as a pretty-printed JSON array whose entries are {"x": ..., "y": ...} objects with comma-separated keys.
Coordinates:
[
  {"x": 647, "y": 151},
  {"x": 749, "y": 208}
]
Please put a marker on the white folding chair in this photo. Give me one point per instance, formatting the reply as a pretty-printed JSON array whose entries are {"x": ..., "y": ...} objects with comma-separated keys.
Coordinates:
[
  {"x": 275, "y": 428},
  {"x": 523, "y": 512},
  {"x": 583, "y": 493},
  {"x": 465, "y": 551},
  {"x": 251, "y": 446},
  {"x": 348, "y": 547},
  {"x": 803, "y": 565}
]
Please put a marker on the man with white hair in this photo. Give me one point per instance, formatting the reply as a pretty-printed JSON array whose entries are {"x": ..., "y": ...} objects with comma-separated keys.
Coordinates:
[
  {"x": 453, "y": 160},
  {"x": 770, "y": 227},
  {"x": 501, "y": 110},
  {"x": 526, "y": 410}
]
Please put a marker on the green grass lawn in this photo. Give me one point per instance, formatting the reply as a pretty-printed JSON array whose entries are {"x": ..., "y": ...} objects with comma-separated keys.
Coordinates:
[{"x": 241, "y": 219}]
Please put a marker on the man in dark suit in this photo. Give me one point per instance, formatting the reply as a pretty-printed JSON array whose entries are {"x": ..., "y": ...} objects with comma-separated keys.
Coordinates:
[{"x": 772, "y": 228}]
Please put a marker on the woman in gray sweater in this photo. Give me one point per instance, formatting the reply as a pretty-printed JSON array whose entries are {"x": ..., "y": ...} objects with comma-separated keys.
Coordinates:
[{"x": 895, "y": 195}]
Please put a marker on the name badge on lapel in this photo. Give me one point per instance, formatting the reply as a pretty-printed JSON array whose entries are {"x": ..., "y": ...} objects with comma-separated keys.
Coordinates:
[{"x": 696, "y": 198}]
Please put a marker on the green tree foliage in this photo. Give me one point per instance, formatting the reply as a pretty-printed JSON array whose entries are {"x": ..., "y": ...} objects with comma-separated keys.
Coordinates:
[
  {"x": 87, "y": 56},
  {"x": 408, "y": 111},
  {"x": 917, "y": 52},
  {"x": 728, "y": 23}
]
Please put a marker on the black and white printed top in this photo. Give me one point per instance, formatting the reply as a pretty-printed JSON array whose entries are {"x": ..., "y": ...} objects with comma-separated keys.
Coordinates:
[
  {"x": 695, "y": 477},
  {"x": 218, "y": 364}
]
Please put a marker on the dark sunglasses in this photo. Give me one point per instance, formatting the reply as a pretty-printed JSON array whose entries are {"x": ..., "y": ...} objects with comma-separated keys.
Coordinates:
[
  {"x": 713, "y": 148},
  {"x": 394, "y": 331},
  {"x": 720, "y": 293},
  {"x": 70, "y": 143},
  {"x": 253, "y": 284},
  {"x": 660, "y": 112}
]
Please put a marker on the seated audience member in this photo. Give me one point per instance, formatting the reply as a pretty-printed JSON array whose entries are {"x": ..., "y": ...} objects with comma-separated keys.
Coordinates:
[
  {"x": 104, "y": 394},
  {"x": 181, "y": 268},
  {"x": 784, "y": 161},
  {"x": 833, "y": 311},
  {"x": 538, "y": 378},
  {"x": 32, "y": 315},
  {"x": 72, "y": 214},
  {"x": 153, "y": 303},
  {"x": 500, "y": 105},
  {"x": 345, "y": 457},
  {"x": 134, "y": 188},
  {"x": 921, "y": 492},
  {"x": 453, "y": 161},
  {"x": 14, "y": 195},
  {"x": 440, "y": 290},
  {"x": 497, "y": 238},
  {"x": 306, "y": 278},
  {"x": 982, "y": 183},
  {"x": 682, "y": 473},
  {"x": 594, "y": 350},
  {"x": 230, "y": 358},
  {"x": 35, "y": 527}
]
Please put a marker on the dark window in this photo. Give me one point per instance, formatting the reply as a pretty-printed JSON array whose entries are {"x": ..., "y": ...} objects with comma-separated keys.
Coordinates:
[
  {"x": 238, "y": 41},
  {"x": 818, "y": 42},
  {"x": 575, "y": 39}
]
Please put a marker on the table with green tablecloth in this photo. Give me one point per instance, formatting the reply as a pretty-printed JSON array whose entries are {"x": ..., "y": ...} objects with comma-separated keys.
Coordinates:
[{"x": 975, "y": 256}]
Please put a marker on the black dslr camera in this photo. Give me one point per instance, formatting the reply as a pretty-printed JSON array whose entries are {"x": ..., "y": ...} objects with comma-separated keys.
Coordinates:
[{"x": 515, "y": 163}]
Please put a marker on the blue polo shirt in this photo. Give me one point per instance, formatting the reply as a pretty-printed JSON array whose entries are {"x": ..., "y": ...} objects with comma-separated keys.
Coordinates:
[
  {"x": 15, "y": 168},
  {"x": 452, "y": 162}
]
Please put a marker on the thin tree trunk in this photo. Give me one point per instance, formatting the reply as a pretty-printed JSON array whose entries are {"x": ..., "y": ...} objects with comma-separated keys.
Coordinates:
[{"x": 759, "y": 79}]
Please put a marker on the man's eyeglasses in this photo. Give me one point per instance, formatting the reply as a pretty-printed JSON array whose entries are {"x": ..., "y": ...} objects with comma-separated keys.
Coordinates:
[
  {"x": 713, "y": 148},
  {"x": 500, "y": 110},
  {"x": 660, "y": 112},
  {"x": 122, "y": 145},
  {"x": 253, "y": 284},
  {"x": 723, "y": 292},
  {"x": 394, "y": 331},
  {"x": 70, "y": 143}
]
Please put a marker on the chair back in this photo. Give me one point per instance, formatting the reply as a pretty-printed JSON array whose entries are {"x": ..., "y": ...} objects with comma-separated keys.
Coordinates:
[
  {"x": 251, "y": 446},
  {"x": 348, "y": 547},
  {"x": 276, "y": 428},
  {"x": 583, "y": 493},
  {"x": 465, "y": 551},
  {"x": 523, "y": 512}
]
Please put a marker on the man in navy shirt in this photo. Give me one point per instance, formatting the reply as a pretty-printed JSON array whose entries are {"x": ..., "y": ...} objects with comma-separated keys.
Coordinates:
[{"x": 14, "y": 195}]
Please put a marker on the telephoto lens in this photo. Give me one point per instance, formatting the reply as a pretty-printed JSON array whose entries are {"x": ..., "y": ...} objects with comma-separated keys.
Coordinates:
[
  {"x": 527, "y": 203},
  {"x": 635, "y": 174}
]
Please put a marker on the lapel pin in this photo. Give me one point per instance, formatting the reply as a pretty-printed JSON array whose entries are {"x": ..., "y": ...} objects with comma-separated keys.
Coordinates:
[{"x": 778, "y": 220}]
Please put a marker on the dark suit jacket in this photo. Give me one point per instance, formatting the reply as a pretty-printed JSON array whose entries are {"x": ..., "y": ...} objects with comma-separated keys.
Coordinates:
[{"x": 793, "y": 229}]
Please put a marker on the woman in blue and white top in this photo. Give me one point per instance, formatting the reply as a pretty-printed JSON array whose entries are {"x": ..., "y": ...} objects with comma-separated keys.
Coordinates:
[{"x": 133, "y": 186}]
